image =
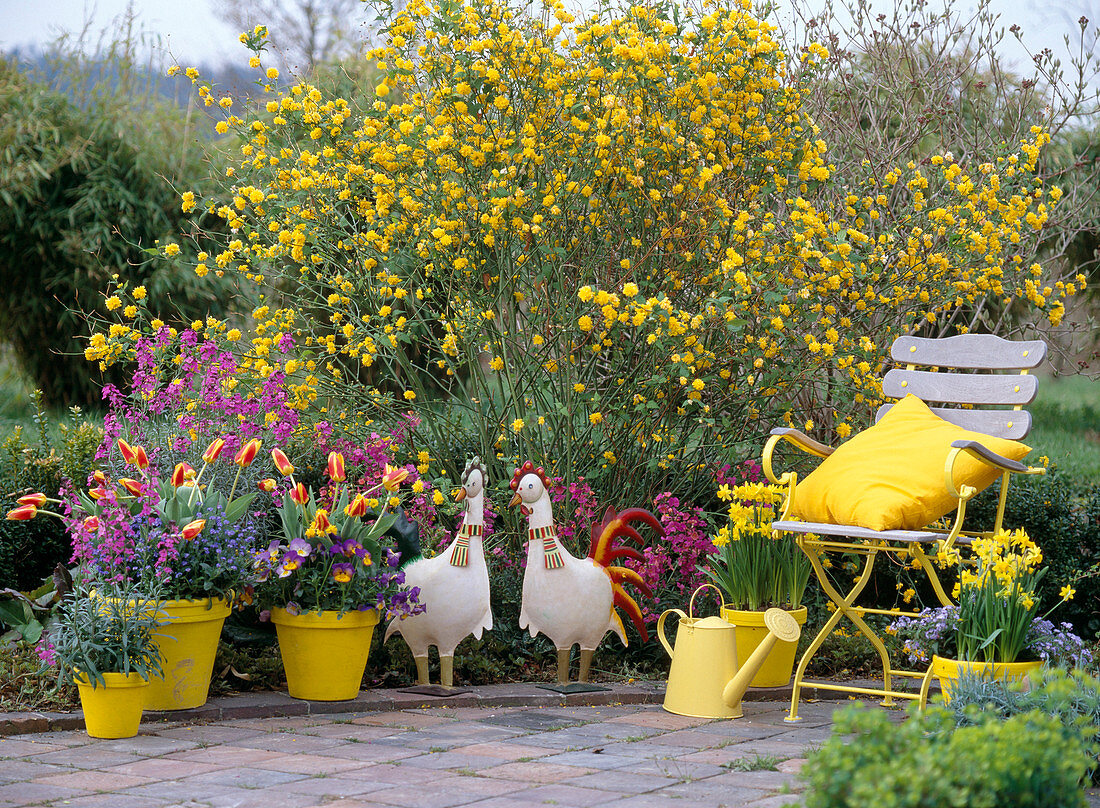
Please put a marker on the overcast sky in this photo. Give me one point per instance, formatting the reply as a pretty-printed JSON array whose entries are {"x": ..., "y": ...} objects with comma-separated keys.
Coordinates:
[{"x": 193, "y": 34}]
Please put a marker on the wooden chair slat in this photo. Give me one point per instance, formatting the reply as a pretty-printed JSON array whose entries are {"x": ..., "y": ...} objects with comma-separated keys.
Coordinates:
[
  {"x": 969, "y": 351},
  {"x": 961, "y": 388},
  {"x": 1010, "y": 424}
]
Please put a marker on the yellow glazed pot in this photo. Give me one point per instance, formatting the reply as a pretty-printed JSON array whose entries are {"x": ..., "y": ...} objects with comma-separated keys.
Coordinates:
[
  {"x": 947, "y": 671},
  {"x": 750, "y": 631},
  {"x": 114, "y": 710},
  {"x": 188, "y": 643},
  {"x": 324, "y": 653}
]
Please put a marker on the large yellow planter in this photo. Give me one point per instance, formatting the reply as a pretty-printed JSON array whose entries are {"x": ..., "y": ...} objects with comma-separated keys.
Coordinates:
[
  {"x": 324, "y": 653},
  {"x": 188, "y": 642},
  {"x": 750, "y": 631},
  {"x": 947, "y": 671},
  {"x": 114, "y": 710}
]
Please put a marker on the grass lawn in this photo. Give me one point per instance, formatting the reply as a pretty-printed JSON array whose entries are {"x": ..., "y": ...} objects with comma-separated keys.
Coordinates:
[{"x": 1066, "y": 426}]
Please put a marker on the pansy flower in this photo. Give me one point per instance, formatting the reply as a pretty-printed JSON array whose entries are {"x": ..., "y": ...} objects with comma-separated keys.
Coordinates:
[{"x": 342, "y": 573}]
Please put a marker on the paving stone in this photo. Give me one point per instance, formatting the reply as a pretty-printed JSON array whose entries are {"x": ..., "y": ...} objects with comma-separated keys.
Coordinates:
[
  {"x": 619, "y": 781},
  {"x": 10, "y": 748},
  {"x": 86, "y": 757},
  {"x": 659, "y": 719},
  {"x": 451, "y": 760},
  {"x": 534, "y": 720},
  {"x": 507, "y": 750},
  {"x": 165, "y": 768},
  {"x": 247, "y": 778},
  {"x": 19, "y": 770},
  {"x": 368, "y": 752},
  {"x": 90, "y": 780},
  {"x": 148, "y": 745},
  {"x": 395, "y": 774},
  {"x": 419, "y": 796},
  {"x": 592, "y": 760},
  {"x": 27, "y": 793},
  {"x": 308, "y": 764},
  {"x": 562, "y": 794},
  {"x": 287, "y": 742},
  {"x": 536, "y": 771},
  {"x": 113, "y": 801},
  {"x": 225, "y": 755},
  {"x": 675, "y": 768},
  {"x": 209, "y": 733},
  {"x": 335, "y": 787},
  {"x": 404, "y": 719}
]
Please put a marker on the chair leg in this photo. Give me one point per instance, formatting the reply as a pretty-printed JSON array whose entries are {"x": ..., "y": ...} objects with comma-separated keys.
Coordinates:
[
  {"x": 930, "y": 570},
  {"x": 844, "y": 604}
]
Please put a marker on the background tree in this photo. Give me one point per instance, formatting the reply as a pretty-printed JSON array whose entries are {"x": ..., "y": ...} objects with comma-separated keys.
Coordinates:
[{"x": 304, "y": 33}]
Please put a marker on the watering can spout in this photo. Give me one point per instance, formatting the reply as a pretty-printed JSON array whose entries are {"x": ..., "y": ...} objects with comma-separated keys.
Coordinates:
[{"x": 781, "y": 626}]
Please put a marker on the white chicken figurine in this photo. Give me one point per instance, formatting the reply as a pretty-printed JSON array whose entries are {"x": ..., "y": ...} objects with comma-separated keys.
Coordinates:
[
  {"x": 572, "y": 600},
  {"x": 454, "y": 587}
]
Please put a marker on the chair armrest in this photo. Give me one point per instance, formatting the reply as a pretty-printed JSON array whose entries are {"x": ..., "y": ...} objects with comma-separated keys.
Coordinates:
[
  {"x": 979, "y": 452},
  {"x": 799, "y": 439},
  {"x": 802, "y": 441}
]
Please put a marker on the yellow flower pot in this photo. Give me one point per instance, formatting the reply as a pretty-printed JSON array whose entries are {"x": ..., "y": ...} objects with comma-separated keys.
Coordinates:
[
  {"x": 113, "y": 710},
  {"x": 947, "y": 671},
  {"x": 324, "y": 653},
  {"x": 750, "y": 631},
  {"x": 188, "y": 643}
]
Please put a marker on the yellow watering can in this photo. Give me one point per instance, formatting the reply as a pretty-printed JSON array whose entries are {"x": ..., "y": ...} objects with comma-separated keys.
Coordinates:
[{"x": 705, "y": 681}]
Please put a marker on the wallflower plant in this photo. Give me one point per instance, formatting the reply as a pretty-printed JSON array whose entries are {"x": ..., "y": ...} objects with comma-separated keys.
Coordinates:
[
  {"x": 169, "y": 532},
  {"x": 331, "y": 558}
]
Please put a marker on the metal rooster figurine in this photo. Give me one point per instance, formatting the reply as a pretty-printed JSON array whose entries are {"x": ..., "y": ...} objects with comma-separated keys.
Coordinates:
[
  {"x": 454, "y": 587},
  {"x": 572, "y": 600}
]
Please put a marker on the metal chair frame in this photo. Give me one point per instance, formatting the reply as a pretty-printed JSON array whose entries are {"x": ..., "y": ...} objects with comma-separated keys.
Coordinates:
[{"x": 968, "y": 352}]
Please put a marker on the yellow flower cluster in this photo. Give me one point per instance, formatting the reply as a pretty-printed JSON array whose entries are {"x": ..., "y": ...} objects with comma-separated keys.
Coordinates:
[{"x": 604, "y": 241}]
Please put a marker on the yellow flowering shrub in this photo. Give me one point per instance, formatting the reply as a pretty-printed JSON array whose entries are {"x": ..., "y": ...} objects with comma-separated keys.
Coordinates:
[{"x": 606, "y": 243}]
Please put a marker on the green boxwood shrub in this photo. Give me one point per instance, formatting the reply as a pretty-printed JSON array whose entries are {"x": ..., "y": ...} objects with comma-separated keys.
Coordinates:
[
  {"x": 29, "y": 551},
  {"x": 1026, "y": 760}
]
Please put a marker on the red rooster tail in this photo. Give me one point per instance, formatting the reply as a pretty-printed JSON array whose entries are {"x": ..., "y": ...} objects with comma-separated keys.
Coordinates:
[{"x": 605, "y": 550}]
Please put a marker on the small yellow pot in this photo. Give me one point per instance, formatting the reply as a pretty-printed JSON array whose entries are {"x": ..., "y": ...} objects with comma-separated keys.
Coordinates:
[
  {"x": 750, "y": 631},
  {"x": 324, "y": 653},
  {"x": 114, "y": 710},
  {"x": 947, "y": 671}
]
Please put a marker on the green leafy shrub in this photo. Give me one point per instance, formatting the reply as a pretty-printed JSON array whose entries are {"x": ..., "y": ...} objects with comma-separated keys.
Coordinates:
[
  {"x": 1071, "y": 697},
  {"x": 30, "y": 550},
  {"x": 1026, "y": 760}
]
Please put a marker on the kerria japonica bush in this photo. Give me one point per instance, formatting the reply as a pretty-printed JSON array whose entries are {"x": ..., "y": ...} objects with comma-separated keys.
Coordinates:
[{"x": 616, "y": 243}]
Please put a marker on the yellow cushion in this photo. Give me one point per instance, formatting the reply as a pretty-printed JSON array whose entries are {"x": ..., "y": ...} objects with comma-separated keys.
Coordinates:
[{"x": 890, "y": 477}]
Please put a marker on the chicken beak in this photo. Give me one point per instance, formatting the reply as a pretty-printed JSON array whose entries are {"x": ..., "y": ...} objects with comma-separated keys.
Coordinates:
[
  {"x": 514, "y": 501},
  {"x": 460, "y": 495}
]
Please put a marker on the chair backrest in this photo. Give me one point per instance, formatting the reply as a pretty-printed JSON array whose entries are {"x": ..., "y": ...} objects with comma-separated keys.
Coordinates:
[{"x": 968, "y": 352}]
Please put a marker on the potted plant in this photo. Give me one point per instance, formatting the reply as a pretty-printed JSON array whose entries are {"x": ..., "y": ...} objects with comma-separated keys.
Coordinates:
[
  {"x": 995, "y": 630},
  {"x": 755, "y": 572},
  {"x": 107, "y": 644},
  {"x": 326, "y": 583},
  {"x": 193, "y": 542}
]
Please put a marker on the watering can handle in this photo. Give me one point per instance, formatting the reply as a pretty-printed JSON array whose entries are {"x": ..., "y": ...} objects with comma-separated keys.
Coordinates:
[
  {"x": 691, "y": 603},
  {"x": 661, "y": 628}
]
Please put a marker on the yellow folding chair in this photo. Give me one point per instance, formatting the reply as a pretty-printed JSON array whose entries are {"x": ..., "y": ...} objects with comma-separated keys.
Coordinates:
[{"x": 966, "y": 375}]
